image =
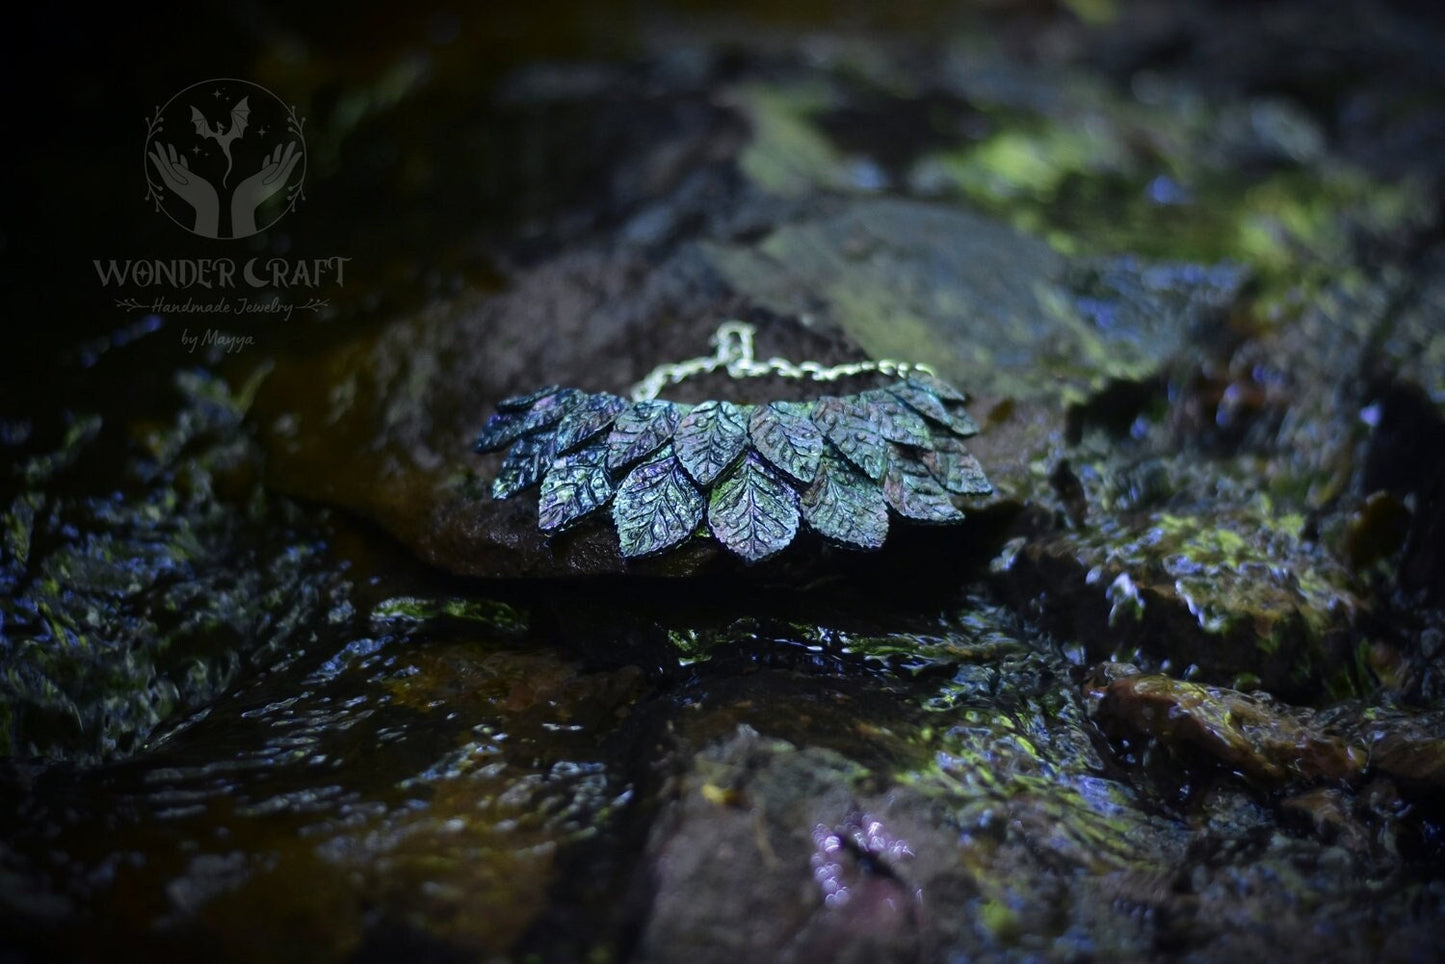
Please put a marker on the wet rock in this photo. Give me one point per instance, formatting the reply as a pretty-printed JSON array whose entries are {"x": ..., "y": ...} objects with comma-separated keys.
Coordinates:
[
  {"x": 799, "y": 870},
  {"x": 803, "y": 852},
  {"x": 963, "y": 790},
  {"x": 1229, "y": 596},
  {"x": 1250, "y": 734},
  {"x": 1328, "y": 813},
  {"x": 125, "y": 609},
  {"x": 1406, "y": 457},
  {"x": 997, "y": 312},
  {"x": 383, "y": 426},
  {"x": 1412, "y": 751},
  {"x": 807, "y": 857},
  {"x": 1375, "y": 531}
]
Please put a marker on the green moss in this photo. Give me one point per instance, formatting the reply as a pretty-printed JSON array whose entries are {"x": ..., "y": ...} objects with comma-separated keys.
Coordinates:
[
  {"x": 78, "y": 435},
  {"x": 485, "y": 612},
  {"x": 1027, "y": 160},
  {"x": 1220, "y": 583},
  {"x": 1094, "y": 12},
  {"x": 1004, "y": 754},
  {"x": 1000, "y": 921},
  {"x": 788, "y": 154},
  {"x": 19, "y": 523},
  {"x": 1089, "y": 182},
  {"x": 1243, "y": 561}
]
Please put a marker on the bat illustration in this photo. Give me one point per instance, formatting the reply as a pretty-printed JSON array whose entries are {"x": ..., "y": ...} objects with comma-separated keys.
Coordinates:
[{"x": 239, "y": 114}]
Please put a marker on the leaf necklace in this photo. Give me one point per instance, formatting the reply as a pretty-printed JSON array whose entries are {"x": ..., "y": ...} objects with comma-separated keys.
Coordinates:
[{"x": 754, "y": 473}]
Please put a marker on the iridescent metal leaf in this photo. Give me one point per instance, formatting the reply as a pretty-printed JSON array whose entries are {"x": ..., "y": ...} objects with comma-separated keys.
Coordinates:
[
  {"x": 917, "y": 396},
  {"x": 590, "y": 416},
  {"x": 844, "y": 506},
  {"x": 955, "y": 468},
  {"x": 501, "y": 430},
  {"x": 522, "y": 414},
  {"x": 656, "y": 506},
  {"x": 710, "y": 438},
  {"x": 963, "y": 425},
  {"x": 752, "y": 510},
  {"x": 549, "y": 409},
  {"x": 848, "y": 424},
  {"x": 640, "y": 430},
  {"x": 576, "y": 485},
  {"x": 517, "y": 402},
  {"x": 524, "y": 464},
  {"x": 915, "y": 494},
  {"x": 785, "y": 435},
  {"x": 921, "y": 400},
  {"x": 896, "y": 421},
  {"x": 937, "y": 386}
]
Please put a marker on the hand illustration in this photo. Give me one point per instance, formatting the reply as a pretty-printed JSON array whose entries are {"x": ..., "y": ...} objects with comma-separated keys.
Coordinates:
[
  {"x": 253, "y": 191},
  {"x": 190, "y": 187}
]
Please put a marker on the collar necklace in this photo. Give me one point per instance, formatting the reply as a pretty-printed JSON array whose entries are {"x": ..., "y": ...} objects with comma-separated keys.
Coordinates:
[{"x": 748, "y": 475}]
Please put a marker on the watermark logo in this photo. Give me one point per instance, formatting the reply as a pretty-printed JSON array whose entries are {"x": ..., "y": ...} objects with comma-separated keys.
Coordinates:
[{"x": 225, "y": 158}]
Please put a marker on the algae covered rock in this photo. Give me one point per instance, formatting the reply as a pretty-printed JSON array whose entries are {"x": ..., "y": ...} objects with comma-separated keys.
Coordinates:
[
  {"x": 1265, "y": 742},
  {"x": 1234, "y": 597}
]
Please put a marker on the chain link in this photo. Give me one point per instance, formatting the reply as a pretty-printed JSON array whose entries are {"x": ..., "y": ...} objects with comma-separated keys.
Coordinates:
[{"x": 734, "y": 343}]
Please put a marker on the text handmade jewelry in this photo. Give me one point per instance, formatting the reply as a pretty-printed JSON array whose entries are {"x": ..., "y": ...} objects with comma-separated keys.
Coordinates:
[{"x": 753, "y": 472}]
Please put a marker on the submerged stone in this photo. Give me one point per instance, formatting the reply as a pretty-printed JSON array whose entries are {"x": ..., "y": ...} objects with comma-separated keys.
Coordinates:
[{"x": 1266, "y": 742}]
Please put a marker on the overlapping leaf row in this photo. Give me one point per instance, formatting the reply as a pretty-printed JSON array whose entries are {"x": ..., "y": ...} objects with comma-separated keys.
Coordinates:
[{"x": 754, "y": 472}]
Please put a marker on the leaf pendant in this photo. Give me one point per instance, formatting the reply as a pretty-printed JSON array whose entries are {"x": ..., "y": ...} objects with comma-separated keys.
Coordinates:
[
  {"x": 915, "y": 494},
  {"x": 955, "y": 468},
  {"x": 753, "y": 511},
  {"x": 576, "y": 486},
  {"x": 785, "y": 435},
  {"x": 710, "y": 438},
  {"x": 640, "y": 430},
  {"x": 587, "y": 419},
  {"x": 917, "y": 395},
  {"x": 896, "y": 422},
  {"x": 846, "y": 423},
  {"x": 656, "y": 506},
  {"x": 937, "y": 386},
  {"x": 524, "y": 402},
  {"x": 845, "y": 506},
  {"x": 501, "y": 430},
  {"x": 754, "y": 474},
  {"x": 524, "y": 464}
]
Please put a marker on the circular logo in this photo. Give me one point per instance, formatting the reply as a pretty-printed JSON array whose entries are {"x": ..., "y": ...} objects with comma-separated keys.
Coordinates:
[{"x": 225, "y": 158}]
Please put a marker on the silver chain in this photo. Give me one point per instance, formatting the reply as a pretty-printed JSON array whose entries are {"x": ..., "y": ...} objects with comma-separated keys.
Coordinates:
[{"x": 734, "y": 343}]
